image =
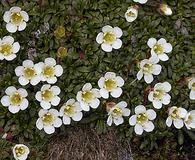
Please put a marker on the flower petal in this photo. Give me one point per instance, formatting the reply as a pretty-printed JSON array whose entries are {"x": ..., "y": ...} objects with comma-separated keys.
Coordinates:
[
  {"x": 104, "y": 93},
  {"x": 126, "y": 112},
  {"x": 163, "y": 57},
  {"x": 22, "y": 26},
  {"x": 116, "y": 92},
  {"x": 5, "y": 101},
  {"x": 192, "y": 95},
  {"x": 10, "y": 90},
  {"x": 56, "y": 90},
  {"x": 157, "y": 104},
  {"x": 167, "y": 47},
  {"x": 23, "y": 92},
  {"x": 169, "y": 121},
  {"x": 10, "y": 57},
  {"x": 148, "y": 78},
  {"x": 94, "y": 103},
  {"x": 39, "y": 124},
  {"x": 11, "y": 28},
  {"x": 151, "y": 114},
  {"x": 77, "y": 116},
  {"x": 156, "y": 69},
  {"x": 162, "y": 41},
  {"x": 84, "y": 106},
  {"x": 118, "y": 120},
  {"x": 138, "y": 129},
  {"x": 57, "y": 123},
  {"x": 45, "y": 105},
  {"x": 140, "y": 75},
  {"x": 151, "y": 42},
  {"x": 109, "y": 120},
  {"x": 166, "y": 99},
  {"x": 140, "y": 109},
  {"x": 35, "y": 80},
  {"x": 101, "y": 82},
  {"x": 148, "y": 126},
  {"x": 24, "y": 15},
  {"x": 106, "y": 47},
  {"x": 66, "y": 120},
  {"x": 16, "y": 47},
  {"x": 24, "y": 104},
  {"x": 14, "y": 109},
  {"x": 99, "y": 38},
  {"x": 51, "y": 80},
  {"x": 55, "y": 101},
  {"x": 117, "y": 44},
  {"x": 118, "y": 32},
  {"x": 6, "y": 16},
  {"x": 133, "y": 120},
  {"x": 49, "y": 129},
  {"x": 58, "y": 70},
  {"x": 178, "y": 123},
  {"x": 107, "y": 28},
  {"x": 23, "y": 81},
  {"x": 50, "y": 61},
  {"x": 87, "y": 87},
  {"x": 120, "y": 81}
]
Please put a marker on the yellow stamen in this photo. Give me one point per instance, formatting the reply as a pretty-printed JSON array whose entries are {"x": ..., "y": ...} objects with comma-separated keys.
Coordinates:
[
  {"x": 117, "y": 112},
  {"x": 47, "y": 118},
  {"x": 189, "y": 120},
  {"x": 109, "y": 38},
  {"x": 19, "y": 151},
  {"x": 6, "y": 49},
  {"x": 16, "y": 99},
  {"x": 110, "y": 84},
  {"x": 29, "y": 73},
  {"x": 158, "y": 94},
  {"x": 48, "y": 71},
  {"x": 16, "y": 18},
  {"x": 87, "y": 96},
  {"x": 158, "y": 48},
  {"x": 142, "y": 118},
  {"x": 47, "y": 95},
  {"x": 147, "y": 68},
  {"x": 69, "y": 110},
  {"x": 131, "y": 14}
]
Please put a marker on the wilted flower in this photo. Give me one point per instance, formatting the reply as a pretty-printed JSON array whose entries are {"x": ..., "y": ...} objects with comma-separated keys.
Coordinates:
[
  {"x": 28, "y": 72},
  {"x": 71, "y": 109},
  {"x": 48, "y": 120},
  {"x": 160, "y": 48},
  {"x": 176, "y": 116},
  {"x": 148, "y": 68},
  {"x": 59, "y": 32},
  {"x": 191, "y": 85},
  {"x": 50, "y": 71},
  {"x": 116, "y": 113},
  {"x": 140, "y": 1},
  {"x": 142, "y": 120},
  {"x": 16, "y": 19},
  {"x": 131, "y": 14},
  {"x": 159, "y": 95},
  {"x": 8, "y": 48},
  {"x": 109, "y": 38},
  {"x": 15, "y": 99},
  {"x": 165, "y": 9},
  {"x": 20, "y": 152},
  {"x": 112, "y": 84},
  {"x": 88, "y": 97},
  {"x": 48, "y": 96}
]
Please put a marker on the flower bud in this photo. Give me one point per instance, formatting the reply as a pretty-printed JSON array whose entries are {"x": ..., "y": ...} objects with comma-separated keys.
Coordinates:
[{"x": 165, "y": 9}]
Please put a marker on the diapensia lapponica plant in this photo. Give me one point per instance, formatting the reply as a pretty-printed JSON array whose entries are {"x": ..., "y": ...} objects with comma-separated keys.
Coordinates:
[{"x": 88, "y": 97}]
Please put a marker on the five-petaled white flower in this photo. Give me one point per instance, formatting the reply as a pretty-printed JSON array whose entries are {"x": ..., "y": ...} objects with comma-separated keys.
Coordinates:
[
  {"x": 16, "y": 19},
  {"x": 8, "y": 48},
  {"x": 48, "y": 120},
  {"x": 109, "y": 38},
  {"x": 48, "y": 96},
  {"x": 165, "y": 9},
  {"x": 160, "y": 48},
  {"x": 15, "y": 99},
  {"x": 50, "y": 70},
  {"x": 20, "y": 152},
  {"x": 140, "y": 1},
  {"x": 142, "y": 120},
  {"x": 28, "y": 72},
  {"x": 71, "y": 109},
  {"x": 189, "y": 120},
  {"x": 112, "y": 84},
  {"x": 88, "y": 97},
  {"x": 148, "y": 68},
  {"x": 159, "y": 95},
  {"x": 116, "y": 113},
  {"x": 176, "y": 116},
  {"x": 131, "y": 14},
  {"x": 191, "y": 85}
]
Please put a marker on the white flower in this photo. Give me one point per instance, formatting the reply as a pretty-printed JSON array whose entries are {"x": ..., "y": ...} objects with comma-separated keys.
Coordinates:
[
  {"x": 191, "y": 85},
  {"x": 16, "y": 19},
  {"x": 88, "y": 97},
  {"x": 176, "y": 116},
  {"x": 28, "y": 72},
  {"x": 140, "y": 1},
  {"x": 148, "y": 68},
  {"x": 112, "y": 84},
  {"x": 20, "y": 152},
  {"x": 116, "y": 113},
  {"x": 8, "y": 48},
  {"x": 189, "y": 120},
  {"x": 131, "y": 14},
  {"x": 160, "y": 48},
  {"x": 159, "y": 95},
  {"x": 48, "y": 96},
  {"x": 165, "y": 9},
  {"x": 15, "y": 99},
  {"x": 50, "y": 70},
  {"x": 71, "y": 109},
  {"x": 48, "y": 120},
  {"x": 109, "y": 38},
  {"x": 142, "y": 120}
]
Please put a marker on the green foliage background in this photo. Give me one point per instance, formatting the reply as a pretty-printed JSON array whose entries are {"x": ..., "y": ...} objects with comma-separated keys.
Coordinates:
[{"x": 83, "y": 20}]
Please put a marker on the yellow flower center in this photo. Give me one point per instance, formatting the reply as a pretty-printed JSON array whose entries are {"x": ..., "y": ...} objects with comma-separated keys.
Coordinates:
[
  {"x": 87, "y": 96},
  {"x": 109, "y": 38},
  {"x": 175, "y": 114},
  {"x": 158, "y": 48},
  {"x": 48, "y": 71},
  {"x": 147, "y": 68},
  {"x": 47, "y": 118},
  {"x": 15, "y": 99},
  {"x": 69, "y": 110},
  {"x": 47, "y": 95},
  {"x": 16, "y": 18},
  {"x": 19, "y": 151},
  {"x": 29, "y": 73},
  {"x": 109, "y": 84},
  {"x": 117, "y": 112},
  {"x": 59, "y": 32},
  {"x": 6, "y": 49},
  {"x": 189, "y": 120},
  {"x": 142, "y": 118},
  {"x": 193, "y": 86},
  {"x": 131, "y": 14},
  {"x": 158, "y": 94}
]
